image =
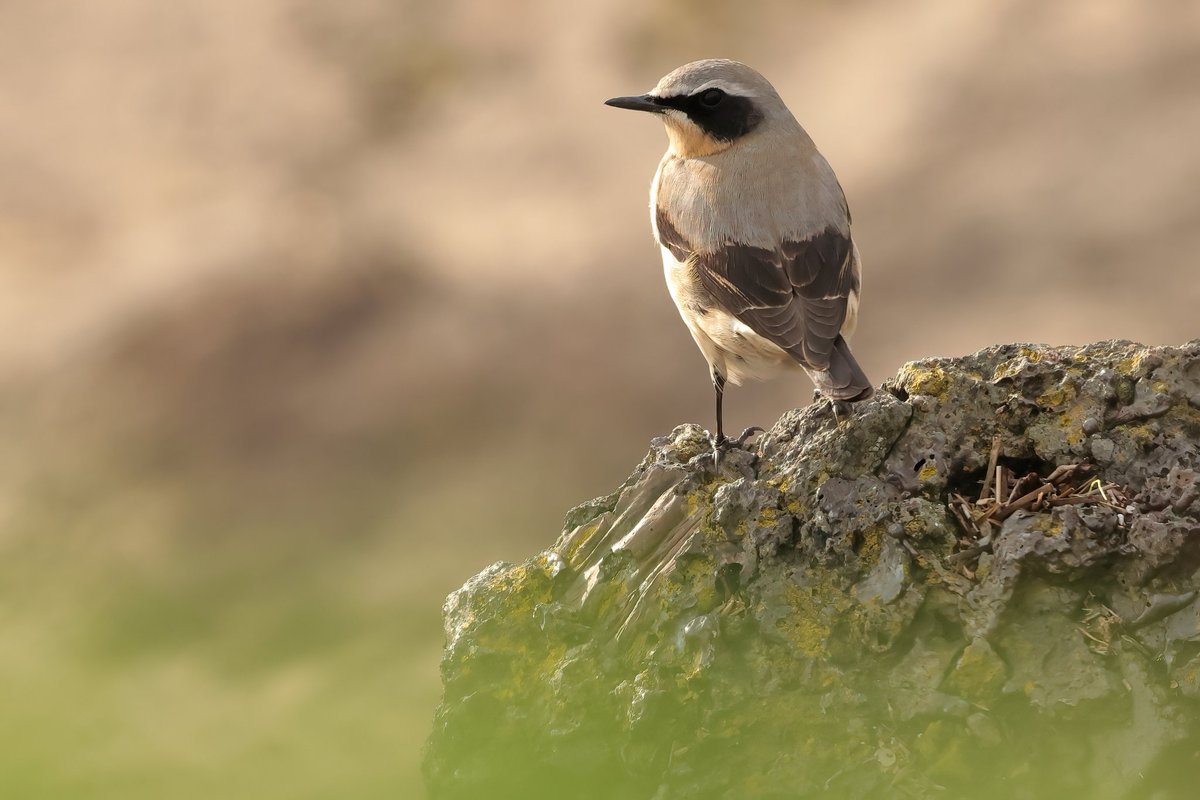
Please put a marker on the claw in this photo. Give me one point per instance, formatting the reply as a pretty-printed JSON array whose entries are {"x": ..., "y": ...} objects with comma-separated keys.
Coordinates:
[
  {"x": 746, "y": 434},
  {"x": 839, "y": 408},
  {"x": 724, "y": 443}
]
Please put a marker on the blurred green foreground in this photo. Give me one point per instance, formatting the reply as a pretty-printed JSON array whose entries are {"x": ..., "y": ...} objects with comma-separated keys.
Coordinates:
[
  {"x": 172, "y": 634},
  {"x": 258, "y": 668}
]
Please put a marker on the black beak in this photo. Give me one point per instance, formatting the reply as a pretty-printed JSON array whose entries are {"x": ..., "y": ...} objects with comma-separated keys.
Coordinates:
[{"x": 643, "y": 102}]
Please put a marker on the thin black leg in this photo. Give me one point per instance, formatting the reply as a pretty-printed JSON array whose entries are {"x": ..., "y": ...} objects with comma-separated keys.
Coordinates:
[
  {"x": 719, "y": 441},
  {"x": 719, "y": 385}
]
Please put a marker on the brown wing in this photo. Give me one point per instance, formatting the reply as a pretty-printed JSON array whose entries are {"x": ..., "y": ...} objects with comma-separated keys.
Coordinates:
[{"x": 796, "y": 296}]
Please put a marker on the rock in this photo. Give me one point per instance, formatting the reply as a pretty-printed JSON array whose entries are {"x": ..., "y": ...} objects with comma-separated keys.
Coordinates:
[{"x": 809, "y": 618}]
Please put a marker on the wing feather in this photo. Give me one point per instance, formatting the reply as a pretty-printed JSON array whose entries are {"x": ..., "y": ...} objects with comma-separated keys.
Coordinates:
[{"x": 796, "y": 296}]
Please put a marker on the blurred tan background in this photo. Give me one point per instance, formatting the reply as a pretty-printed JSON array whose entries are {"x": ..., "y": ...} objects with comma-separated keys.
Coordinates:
[{"x": 312, "y": 310}]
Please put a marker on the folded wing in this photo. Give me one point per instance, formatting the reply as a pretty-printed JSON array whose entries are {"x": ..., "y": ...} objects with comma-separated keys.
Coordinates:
[{"x": 795, "y": 296}]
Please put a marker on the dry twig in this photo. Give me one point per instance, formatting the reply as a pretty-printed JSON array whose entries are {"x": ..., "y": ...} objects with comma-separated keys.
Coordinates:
[{"x": 1002, "y": 494}]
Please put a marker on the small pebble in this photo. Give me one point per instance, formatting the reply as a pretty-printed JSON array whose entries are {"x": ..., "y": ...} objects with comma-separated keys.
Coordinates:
[
  {"x": 1091, "y": 426},
  {"x": 1102, "y": 450}
]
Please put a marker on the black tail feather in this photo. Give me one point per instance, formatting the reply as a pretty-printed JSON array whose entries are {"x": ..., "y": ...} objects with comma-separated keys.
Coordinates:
[{"x": 845, "y": 379}]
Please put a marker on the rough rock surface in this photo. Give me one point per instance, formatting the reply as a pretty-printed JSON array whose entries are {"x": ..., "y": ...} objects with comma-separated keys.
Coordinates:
[{"x": 809, "y": 618}]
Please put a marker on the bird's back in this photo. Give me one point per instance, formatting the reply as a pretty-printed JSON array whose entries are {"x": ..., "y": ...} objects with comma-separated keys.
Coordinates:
[{"x": 769, "y": 190}]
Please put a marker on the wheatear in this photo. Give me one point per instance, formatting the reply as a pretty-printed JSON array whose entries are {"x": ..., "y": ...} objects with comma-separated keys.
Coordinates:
[{"x": 754, "y": 231}]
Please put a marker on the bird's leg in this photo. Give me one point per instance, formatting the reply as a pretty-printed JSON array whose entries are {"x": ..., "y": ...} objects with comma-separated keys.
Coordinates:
[
  {"x": 719, "y": 385},
  {"x": 719, "y": 441}
]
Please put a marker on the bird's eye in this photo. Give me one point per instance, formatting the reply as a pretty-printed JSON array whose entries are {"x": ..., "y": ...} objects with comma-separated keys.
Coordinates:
[{"x": 712, "y": 98}]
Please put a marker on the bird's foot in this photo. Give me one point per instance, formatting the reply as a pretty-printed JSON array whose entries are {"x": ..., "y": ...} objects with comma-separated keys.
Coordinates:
[
  {"x": 840, "y": 409},
  {"x": 740, "y": 441},
  {"x": 723, "y": 443}
]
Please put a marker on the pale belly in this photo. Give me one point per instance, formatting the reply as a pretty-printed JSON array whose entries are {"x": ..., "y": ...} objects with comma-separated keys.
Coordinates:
[{"x": 730, "y": 347}]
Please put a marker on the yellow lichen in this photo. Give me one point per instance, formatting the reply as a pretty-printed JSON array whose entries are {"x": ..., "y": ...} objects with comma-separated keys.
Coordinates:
[
  {"x": 983, "y": 569},
  {"x": 1188, "y": 416},
  {"x": 1191, "y": 675},
  {"x": 1131, "y": 365},
  {"x": 872, "y": 544},
  {"x": 796, "y": 508},
  {"x": 1141, "y": 433},
  {"x": 1058, "y": 396},
  {"x": 768, "y": 517},
  {"x": 979, "y": 673},
  {"x": 1048, "y": 524},
  {"x": 928, "y": 472},
  {"x": 579, "y": 541},
  {"x": 1071, "y": 421},
  {"x": 806, "y": 628},
  {"x": 1031, "y": 354},
  {"x": 783, "y": 484},
  {"x": 698, "y": 501},
  {"x": 930, "y": 380},
  {"x": 528, "y": 583},
  {"x": 698, "y": 575},
  {"x": 1009, "y": 369}
]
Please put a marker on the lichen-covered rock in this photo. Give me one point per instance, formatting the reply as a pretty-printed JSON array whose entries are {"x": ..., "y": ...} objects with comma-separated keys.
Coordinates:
[{"x": 809, "y": 618}]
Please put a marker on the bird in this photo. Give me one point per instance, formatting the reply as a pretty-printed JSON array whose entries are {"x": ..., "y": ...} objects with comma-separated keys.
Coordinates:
[{"x": 755, "y": 236}]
